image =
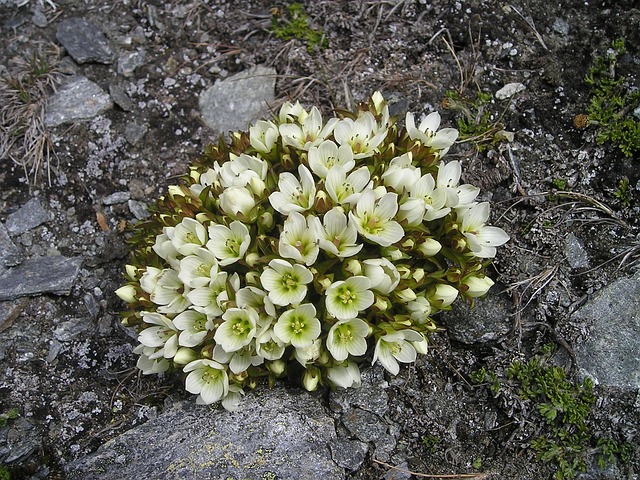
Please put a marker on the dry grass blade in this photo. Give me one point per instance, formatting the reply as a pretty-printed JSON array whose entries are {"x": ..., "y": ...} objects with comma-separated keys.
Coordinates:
[
  {"x": 478, "y": 476},
  {"x": 539, "y": 282},
  {"x": 24, "y": 92}
]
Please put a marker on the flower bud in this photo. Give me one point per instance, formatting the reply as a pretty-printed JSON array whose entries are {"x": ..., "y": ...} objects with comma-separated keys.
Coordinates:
[
  {"x": 322, "y": 203},
  {"x": 406, "y": 295},
  {"x": 392, "y": 253},
  {"x": 237, "y": 201},
  {"x": 258, "y": 187},
  {"x": 252, "y": 258},
  {"x": 476, "y": 286},
  {"x": 421, "y": 347},
  {"x": 453, "y": 274},
  {"x": 459, "y": 244},
  {"x": 381, "y": 304},
  {"x": 429, "y": 247},
  {"x": 353, "y": 266},
  {"x": 420, "y": 309},
  {"x": 404, "y": 271},
  {"x": 444, "y": 295},
  {"x": 252, "y": 278},
  {"x": 311, "y": 379},
  {"x": 175, "y": 191},
  {"x": 127, "y": 293},
  {"x": 132, "y": 271},
  {"x": 418, "y": 274},
  {"x": 184, "y": 355},
  {"x": 277, "y": 367},
  {"x": 266, "y": 221},
  {"x": 408, "y": 243},
  {"x": 383, "y": 274}
]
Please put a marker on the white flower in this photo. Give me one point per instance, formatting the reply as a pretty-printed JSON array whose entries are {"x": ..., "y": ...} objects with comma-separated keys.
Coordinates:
[
  {"x": 383, "y": 274},
  {"x": 348, "y": 337},
  {"x": 426, "y": 132},
  {"x": 309, "y": 354},
  {"x": 346, "y": 298},
  {"x": 198, "y": 269},
  {"x": 237, "y": 202},
  {"x": 374, "y": 220},
  {"x": 363, "y": 135},
  {"x": 245, "y": 170},
  {"x": 187, "y": 236},
  {"x": 238, "y": 328},
  {"x": 309, "y": 134},
  {"x": 325, "y": 156},
  {"x": 424, "y": 203},
  {"x": 269, "y": 346},
  {"x": 401, "y": 173},
  {"x": 164, "y": 247},
  {"x": 263, "y": 136},
  {"x": 165, "y": 289},
  {"x": 482, "y": 239},
  {"x": 229, "y": 244},
  {"x": 286, "y": 283},
  {"x": 149, "y": 362},
  {"x": 207, "y": 379},
  {"x": 298, "y": 326},
  {"x": 211, "y": 298},
  {"x": 255, "y": 298},
  {"x": 345, "y": 376},
  {"x": 336, "y": 236},
  {"x": 292, "y": 112},
  {"x": 346, "y": 189},
  {"x": 231, "y": 402},
  {"x": 163, "y": 334},
  {"x": 420, "y": 309},
  {"x": 127, "y": 293},
  {"x": 448, "y": 178},
  {"x": 238, "y": 360},
  {"x": 396, "y": 347},
  {"x": 294, "y": 195},
  {"x": 194, "y": 326},
  {"x": 475, "y": 286},
  {"x": 298, "y": 239}
]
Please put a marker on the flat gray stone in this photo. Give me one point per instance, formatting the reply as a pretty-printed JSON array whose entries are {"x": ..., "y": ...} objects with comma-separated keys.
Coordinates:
[
  {"x": 84, "y": 41},
  {"x": 611, "y": 352},
  {"x": 140, "y": 210},
  {"x": 349, "y": 454},
  {"x": 234, "y": 103},
  {"x": 280, "y": 433},
  {"x": 116, "y": 198},
  {"x": 72, "y": 329},
  {"x": 574, "y": 251},
  {"x": 128, "y": 62},
  {"x": 40, "y": 275},
  {"x": 120, "y": 97},
  {"x": 29, "y": 216},
  {"x": 488, "y": 320},
  {"x": 80, "y": 99},
  {"x": 10, "y": 255},
  {"x": 134, "y": 132}
]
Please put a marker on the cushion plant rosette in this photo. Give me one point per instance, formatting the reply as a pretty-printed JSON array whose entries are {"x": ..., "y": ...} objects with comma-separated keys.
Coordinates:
[{"x": 304, "y": 248}]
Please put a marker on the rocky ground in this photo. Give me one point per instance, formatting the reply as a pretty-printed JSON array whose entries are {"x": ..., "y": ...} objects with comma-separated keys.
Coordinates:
[{"x": 134, "y": 105}]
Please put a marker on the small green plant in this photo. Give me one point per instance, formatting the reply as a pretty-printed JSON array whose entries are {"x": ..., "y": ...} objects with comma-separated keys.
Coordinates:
[
  {"x": 430, "y": 442},
  {"x": 613, "y": 103},
  {"x": 296, "y": 25},
  {"x": 559, "y": 183},
  {"x": 5, "y": 474},
  {"x": 10, "y": 414},
  {"x": 564, "y": 407},
  {"x": 482, "y": 376},
  {"x": 623, "y": 192}
]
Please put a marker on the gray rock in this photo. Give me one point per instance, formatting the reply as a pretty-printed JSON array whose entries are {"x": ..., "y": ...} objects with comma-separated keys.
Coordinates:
[
  {"x": 612, "y": 316},
  {"x": 371, "y": 396},
  {"x": 363, "y": 425},
  {"x": 140, "y": 210},
  {"x": 349, "y": 454},
  {"x": 84, "y": 41},
  {"x": 279, "y": 433},
  {"x": 21, "y": 441},
  {"x": 120, "y": 97},
  {"x": 134, "y": 132},
  {"x": 10, "y": 255},
  {"x": 574, "y": 251},
  {"x": 237, "y": 101},
  {"x": 9, "y": 311},
  {"x": 128, "y": 62},
  {"x": 31, "y": 215},
  {"x": 487, "y": 321},
  {"x": 116, "y": 198},
  {"x": 72, "y": 329},
  {"x": 80, "y": 99},
  {"x": 40, "y": 275}
]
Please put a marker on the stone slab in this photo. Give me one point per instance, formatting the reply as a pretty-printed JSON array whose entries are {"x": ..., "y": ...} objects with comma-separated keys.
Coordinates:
[{"x": 40, "y": 275}]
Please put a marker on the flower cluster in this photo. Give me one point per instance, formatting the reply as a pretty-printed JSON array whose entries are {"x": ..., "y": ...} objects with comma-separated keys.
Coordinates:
[{"x": 302, "y": 248}]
